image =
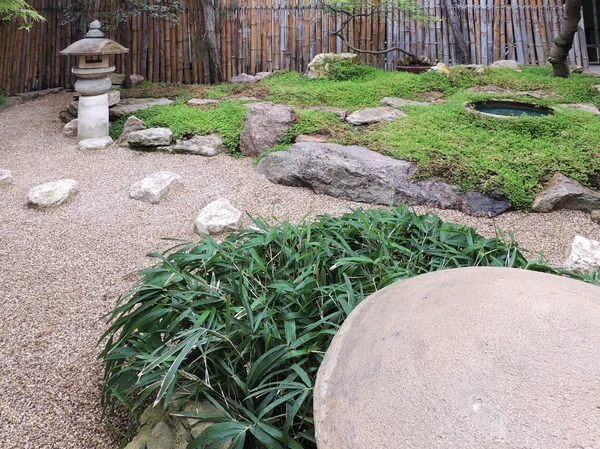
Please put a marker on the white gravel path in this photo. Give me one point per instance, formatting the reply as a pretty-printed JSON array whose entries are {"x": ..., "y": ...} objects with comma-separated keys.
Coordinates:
[{"x": 61, "y": 270}]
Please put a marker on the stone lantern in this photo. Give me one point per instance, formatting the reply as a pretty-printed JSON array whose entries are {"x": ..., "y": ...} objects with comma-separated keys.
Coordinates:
[{"x": 92, "y": 69}]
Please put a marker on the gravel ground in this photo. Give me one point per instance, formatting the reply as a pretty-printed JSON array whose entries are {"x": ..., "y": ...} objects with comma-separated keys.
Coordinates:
[{"x": 62, "y": 269}]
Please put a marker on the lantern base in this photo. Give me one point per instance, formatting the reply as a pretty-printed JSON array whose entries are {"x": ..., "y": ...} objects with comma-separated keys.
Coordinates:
[{"x": 93, "y": 117}]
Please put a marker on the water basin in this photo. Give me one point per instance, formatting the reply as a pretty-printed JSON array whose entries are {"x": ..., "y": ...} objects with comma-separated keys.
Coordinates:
[{"x": 510, "y": 109}]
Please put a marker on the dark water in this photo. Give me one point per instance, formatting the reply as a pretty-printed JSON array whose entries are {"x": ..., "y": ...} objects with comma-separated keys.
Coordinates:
[{"x": 513, "y": 111}]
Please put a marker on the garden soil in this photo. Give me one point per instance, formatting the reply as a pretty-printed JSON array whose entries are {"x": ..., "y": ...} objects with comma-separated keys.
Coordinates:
[{"x": 62, "y": 270}]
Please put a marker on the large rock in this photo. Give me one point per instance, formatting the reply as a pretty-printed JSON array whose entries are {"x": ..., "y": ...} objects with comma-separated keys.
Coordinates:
[
  {"x": 132, "y": 105},
  {"x": 395, "y": 102},
  {"x": 200, "y": 145},
  {"x": 150, "y": 138},
  {"x": 70, "y": 129},
  {"x": 217, "y": 217},
  {"x": 265, "y": 125},
  {"x": 564, "y": 193},
  {"x": 469, "y": 358},
  {"x": 358, "y": 174},
  {"x": 52, "y": 194},
  {"x": 583, "y": 255},
  {"x": 94, "y": 144},
  {"x": 131, "y": 124},
  {"x": 374, "y": 115},
  {"x": 507, "y": 64},
  {"x": 155, "y": 187},
  {"x": 5, "y": 177},
  {"x": 319, "y": 66}
]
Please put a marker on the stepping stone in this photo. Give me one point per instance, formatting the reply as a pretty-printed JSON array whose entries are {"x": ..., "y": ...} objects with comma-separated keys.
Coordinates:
[
  {"x": 152, "y": 137},
  {"x": 155, "y": 187},
  {"x": 52, "y": 194},
  {"x": 5, "y": 177},
  {"x": 70, "y": 129},
  {"x": 588, "y": 107},
  {"x": 584, "y": 254},
  {"x": 94, "y": 144},
  {"x": 202, "y": 102},
  {"x": 200, "y": 145},
  {"x": 374, "y": 115},
  {"x": 400, "y": 102},
  {"x": 131, "y": 124},
  {"x": 131, "y": 105},
  {"x": 217, "y": 217}
]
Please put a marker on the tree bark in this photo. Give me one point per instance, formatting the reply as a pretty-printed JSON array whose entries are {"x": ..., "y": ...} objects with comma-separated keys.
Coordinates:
[
  {"x": 462, "y": 48},
  {"x": 559, "y": 53},
  {"x": 212, "y": 42}
]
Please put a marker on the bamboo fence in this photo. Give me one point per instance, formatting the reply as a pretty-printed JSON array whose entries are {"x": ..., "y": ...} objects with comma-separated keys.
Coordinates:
[{"x": 266, "y": 35}]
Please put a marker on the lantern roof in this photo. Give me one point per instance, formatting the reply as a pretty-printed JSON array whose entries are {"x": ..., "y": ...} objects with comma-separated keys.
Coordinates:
[{"x": 94, "y": 44}]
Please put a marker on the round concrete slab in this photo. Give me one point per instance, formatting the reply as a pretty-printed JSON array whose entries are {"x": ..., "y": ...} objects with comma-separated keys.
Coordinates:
[{"x": 465, "y": 358}]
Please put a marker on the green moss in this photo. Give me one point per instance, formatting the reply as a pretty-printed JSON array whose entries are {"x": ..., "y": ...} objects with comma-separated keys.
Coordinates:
[{"x": 3, "y": 101}]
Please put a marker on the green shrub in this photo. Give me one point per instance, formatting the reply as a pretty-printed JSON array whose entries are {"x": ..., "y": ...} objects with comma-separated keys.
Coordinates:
[
  {"x": 348, "y": 71},
  {"x": 245, "y": 322}
]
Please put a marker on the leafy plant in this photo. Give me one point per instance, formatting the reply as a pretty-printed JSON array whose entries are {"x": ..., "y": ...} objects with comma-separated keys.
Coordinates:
[{"x": 244, "y": 323}]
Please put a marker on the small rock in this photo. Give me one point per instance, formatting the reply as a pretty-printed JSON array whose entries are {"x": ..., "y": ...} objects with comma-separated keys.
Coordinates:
[
  {"x": 132, "y": 105},
  {"x": 575, "y": 68},
  {"x": 70, "y": 129},
  {"x": 588, "y": 107},
  {"x": 597, "y": 87},
  {"x": 374, "y": 115},
  {"x": 161, "y": 437},
  {"x": 319, "y": 66},
  {"x": 66, "y": 116},
  {"x": 56, "y": 90},
  {"x": 507, "y": 64},
  {"x": 155, "y": 187},
  {"x": 488, "y": 90},
  {"x": 202, "y": 102},
  {"x": 5, "y": 177},
  {"x": 29, "y": 96},
  {"x": 400, "y": 102},
  {"x": 114, "y": 97},
  {"x": 52, "y": 194},
  {"x": 341, "y": 113},
  {"x": 12, "y": 101},
  {"x": 318, "y": 138},
  {"x": 152, "y": 137},
  {"x": 244, "y": 78},
  {"x": 441, "y": 68},
  {"x": 564, "y": 193},
  {"x": 201, "y": 145},
  {"x": 217, "y": 217},
  {"x": 136, "y": 79},
  {"x": 73, "y": 107},
  {"x": 94, "y": 144},
  {"x": 131, "y": 124},
  {"x": 584, "y": 254},
  {"x": 262, "y": 75},
  {"x": 595, "y": 216},
  {"x": 265, "y": 125}
]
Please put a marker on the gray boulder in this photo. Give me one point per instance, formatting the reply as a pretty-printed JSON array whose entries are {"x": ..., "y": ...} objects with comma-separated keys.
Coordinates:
[
  {"x": 358, "y": 174},
  {"x": 132, "y": 105},
  {"x": 395, "y": 102},
  {"x": 52, "y": 194},
  {"x": 584, "y": 254},
  {"x": 155, "y": 187},
  {"x": 374, "y": 115},
  {"x": 319, "y": 66},
  {"x": 94, "y": 144},
  {"x": 217, "y": 217},
  {"x": 70, "y": 129},
  {"x": 150, "y": 138},
  {"x": 265, "y": 125},
  {"x": 131, "y": 124},
  {"x": 564, "y": 193},
  {"x": 5, "y": 177},
  {"x": 200, "y": 145},
  {"x": 507, "y": 64}
]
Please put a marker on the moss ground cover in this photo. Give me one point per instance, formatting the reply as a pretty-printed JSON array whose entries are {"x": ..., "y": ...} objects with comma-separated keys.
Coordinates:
[{"x": 513, "y": 157}]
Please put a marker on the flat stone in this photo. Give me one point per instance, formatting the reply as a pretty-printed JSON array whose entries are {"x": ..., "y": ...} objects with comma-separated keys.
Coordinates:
[
  {"x": 94, "y": 144},
  {"x": 5, "y": 177},
  {"x": 565, "y": 193},
  {"x": 374, "y": 115},
  {"x": 265, "y": 125},
  {"x": 52, "y": 194},
  {"x": 395, "y": 102},
  {"x": 489, "y": 90},
  {"x": 200, "y": 145},
  {"x": 595, "y": 216},
  {"x": 202, "y": 102},
  {"x": 507, "y": 64},
  {"x": 467, "y": 358},
  {"x": 588, "y": 107},
  {"x": 262, "y": 75},
  {"x": 584, "y": 254},
  {"x": 359, "y": 174},
  {"x": 70, "y": 129},
  {"x": 29, "y": 96},
  {"x": 317, "y": 138},
  {"x": 56, "y": 90},
  {"x": 132, "y": 105},
  {"x": 434, "y": 96},
  {"x": 131, "y": 124},
  {"x": 151, "y": 137},
  {"x": 341, "y": 113},
  {"x": 155, "y": 187},
  {"x": 217, "y": 217}
]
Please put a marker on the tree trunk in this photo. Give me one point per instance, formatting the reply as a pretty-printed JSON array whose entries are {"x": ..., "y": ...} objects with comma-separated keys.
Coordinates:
[
  {"x": 559, "y": 53},
  {"x": 461, "y": 46},
  {"x": 212, "y": 42}
]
